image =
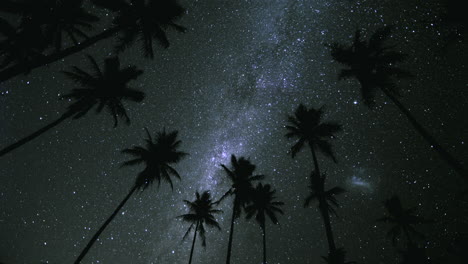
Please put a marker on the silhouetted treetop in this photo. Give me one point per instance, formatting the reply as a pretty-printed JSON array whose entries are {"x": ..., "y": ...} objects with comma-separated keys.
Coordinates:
[
  {"x": 201, "y": 211},
  {"x": 158, "y": 156},
  {"x": 308, "y": 127},
  {"x": 372, "y": 62},
  {"x": 317, "y": 192},
  {"x": 145, "y": 20},
  {"x": 403, "y": 220},
  {"x": 19, "y": 45},
  {"x": 105, "y": 88},
  {"x": 53, "y": 18},
  {"x": 241, "y": 176},
  {"x": 263, "y": 203}
]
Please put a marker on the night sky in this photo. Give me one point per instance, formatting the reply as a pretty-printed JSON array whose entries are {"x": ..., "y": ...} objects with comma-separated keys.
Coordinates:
[{"x": 227, "y": 85}]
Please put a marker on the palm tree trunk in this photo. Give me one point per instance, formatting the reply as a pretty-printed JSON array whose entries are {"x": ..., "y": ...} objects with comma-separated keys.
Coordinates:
[
  {"x": 193, "y": 243},
  {"x": 96, "y": 235},
  {"x": 228, "y": 258},
  {"x": 20, "y": 68},
  {"x": 264, "y": 244},
  {"x": 328, "y": 228},
  {"x": 35, "y": 134},
  {"x": 324, "y": 211},
  {"x": 314, "y": 157},
  {"x": 431, "y": 140}
]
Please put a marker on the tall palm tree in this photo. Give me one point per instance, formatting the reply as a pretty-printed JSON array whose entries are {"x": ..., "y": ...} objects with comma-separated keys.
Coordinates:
[
  {"x": 201, "y": 212},
  {"x": 158, "y": 156},
  {"x": 326, "y": 200},
  {"x": 146, "y": 20},
  {"x": 308, "y": 127},
  {"x": 263, "y": 202},
  {"x": 241, "y": 176},
  {"x": 403, "y": 221},
  {"x": 104, "y": 89},
  {"x": 373, "y": 64}
]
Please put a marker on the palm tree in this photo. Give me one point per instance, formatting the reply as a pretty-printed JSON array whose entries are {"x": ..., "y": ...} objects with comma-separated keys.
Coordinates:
[
  {"x": 263, "y": 203},
  {"x": 403, "y": 220},
  {"x": 55, "y": 18},
  {"x": 326, "y": 200},
  {"x": 158, "y": 156},
  {"x": 241, "y": 177},
  {"x": 142, "y": 19},
  {"x": 105, "y": 89},
  {"x": 70, "y": 18},
  {"x": 146, "y": 20},
  {"x": 373, "y": 64},
  {"x": 337, "y": 257},
  {"x": 200, "y": 212},
  {"x": 306, "y": 125},
  {"x": 19, "y": 44}
]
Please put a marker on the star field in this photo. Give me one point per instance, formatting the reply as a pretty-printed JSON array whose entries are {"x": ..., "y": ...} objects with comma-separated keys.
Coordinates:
[{"x": 227, "y": 85}]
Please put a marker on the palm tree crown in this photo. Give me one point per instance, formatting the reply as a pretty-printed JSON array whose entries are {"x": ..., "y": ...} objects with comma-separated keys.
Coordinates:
[
  {"x": 145, "y": 20},
  {"x": 241, "y": 177},
  {"x": 371, "y": 62},
  {"x": 158, "y": 157},
  {"x": 53, "y": 18},
  {"x": 318, "y": 192},
  {"x": 402, "y": 219},
  {"x": 107, "y": 88},
  {"x": 67, "y": 18},
  {"x": 263, "y": 202},
  {"x": 19, "y": 44},
  {"x": 374, "y": 65},
  {"x": 201, "y": 212},
  {"x": 307, "y": 126}
]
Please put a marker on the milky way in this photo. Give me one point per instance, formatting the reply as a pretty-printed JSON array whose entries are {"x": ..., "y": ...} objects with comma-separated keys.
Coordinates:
[{"x": 227, "y": 85}]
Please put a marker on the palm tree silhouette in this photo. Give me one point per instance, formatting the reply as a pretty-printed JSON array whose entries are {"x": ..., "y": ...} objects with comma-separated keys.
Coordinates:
[
  {"x": 200, "y": 212},
  {"x": 158, "y": 156},
  {"x": 403, "y": 221},
  {"x": 20, "y": 44},
  {"x": 55, "y": 18},
  {"x": 373, "y": 64},
  {"x": 142, "y": 19},
  {"x": 337, "y": 256},
  {"x": 326, "y": 200},
  {"x": 145, "y": 20},
  {"x": 241, "y": 177},
  {"x": 306, "y": 125},
  {"x": 105, "y": 89},
  {"x": 263, "y": 203}
]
